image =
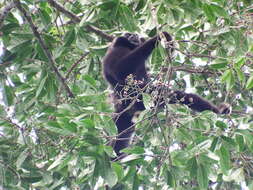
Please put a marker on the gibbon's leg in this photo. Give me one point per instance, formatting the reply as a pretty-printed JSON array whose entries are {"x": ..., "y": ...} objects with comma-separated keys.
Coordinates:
[
  {"x": 197, "y": 103},
  {"x": 125, "y": 128}
]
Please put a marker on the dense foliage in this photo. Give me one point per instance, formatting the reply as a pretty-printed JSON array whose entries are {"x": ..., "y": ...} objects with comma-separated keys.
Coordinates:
[{"x": 55, "y": 116}]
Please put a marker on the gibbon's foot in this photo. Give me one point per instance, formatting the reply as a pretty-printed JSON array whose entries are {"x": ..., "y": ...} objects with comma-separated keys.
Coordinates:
[
  {"x": 197, "y": 103},
  {"x": 225, "y": 108}
]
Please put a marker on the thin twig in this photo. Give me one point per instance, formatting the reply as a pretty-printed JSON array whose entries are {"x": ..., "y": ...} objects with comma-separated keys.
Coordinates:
[
  {"x": 76, "y": 19},
  {"x": 44, "y": 47},
  {"x": 11, "y": 169},
  {"x": 193, "y": 70},
  {"x": 75, "y": 64}
]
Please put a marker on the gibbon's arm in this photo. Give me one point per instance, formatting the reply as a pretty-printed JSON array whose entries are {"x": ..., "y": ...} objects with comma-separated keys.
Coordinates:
[
  {"x": 137, "y": 56},
  {"x": 197, "y": 103},
  {"x": 130, "y": 62},
  {"x": 142, "y": 52}
]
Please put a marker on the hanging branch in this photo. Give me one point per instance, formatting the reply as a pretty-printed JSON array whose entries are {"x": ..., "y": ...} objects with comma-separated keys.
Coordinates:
[
  {"x": 76, "y": 19},
  {"x": 75, "y": 64},
  {"x": 44, "y": 47},
  {"x": 198, "y": 70},
  {"x": 4, "y": 12}
]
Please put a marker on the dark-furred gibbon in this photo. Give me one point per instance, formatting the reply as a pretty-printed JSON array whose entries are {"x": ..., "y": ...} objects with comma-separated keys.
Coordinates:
[{"x": 126, "y": 56}]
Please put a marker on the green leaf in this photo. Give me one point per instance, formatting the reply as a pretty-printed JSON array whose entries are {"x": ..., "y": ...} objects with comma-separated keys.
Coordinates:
[
  {"x": 228, "y": 78},
  {"x": 208, "y": 12},
  {"x": 221, "y": 124},
  {"x": 64, "y": 161},
  {"x": 134, "y": 150},
  {"x": 218, "y": 65},
  {"x": 127, "y": 19},
  {"x": 57, "y": 162},
  {"x": 8, "y": 97},
  {"x": 106, "y": 171},
  {"x": 136, "y": 182},
  {"x": 240, "y": 142},
  {"x": 46, "y": 19},
  {"x": 8, "y": 28},
  {"x": 65, "y": 123},
  {"x": 147, "y": 99},
  {"x": 230, "y": 141},
  {"x": 51, "y": 88},
  {"x": 41, "y": 86},
  {"x": 225, "y": 75},
  {"x": 118, "y": 170},
  {"x": 130, "y": 158},
  {"x": 58, "y": 130},
  {"x": 202, "y": 176},
  {"x": 91, "y": 81},
  {"x": 240, "y": 63},
  {"x": 41, "y": 53},
  {"x": 246, "y": 134},
  {"x": 88, "y": 123},
  {"x": 69, "y": 38},
  {"x": 249, "y": 83},
  {"x": 81, "y": 40},
  {"x": 240, "y": 75},
  {"x": 219, "y": 11},
  {"x": 191, "y": 166},
  {"x": 111, "y": 177},
  {"x": 170, "y": 178},
  {"x": 214, "y": 144},
  {"x": 21, "y": 158},
  {"x": 2, "y": 112},
  {"x": 224, "y": 159}
]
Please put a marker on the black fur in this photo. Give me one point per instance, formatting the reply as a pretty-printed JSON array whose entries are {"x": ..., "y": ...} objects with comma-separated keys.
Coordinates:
[{"x": 127, "y": 55}]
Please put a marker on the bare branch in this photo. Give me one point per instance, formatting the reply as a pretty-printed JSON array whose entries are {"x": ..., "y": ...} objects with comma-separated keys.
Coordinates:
[
  {"x": 198, "y": 70},
  {"x": 5, "y": 64},
  {"x": 195, "y": 54},
  {"x": 60, "y": 8},
  {"x": 44, "y": 47},
  {"x": 75, "y": 64},
  {"x": 76, "y": 19},
  {"x": 4, "y": 12},
  {"x": 193, "y": 70}
]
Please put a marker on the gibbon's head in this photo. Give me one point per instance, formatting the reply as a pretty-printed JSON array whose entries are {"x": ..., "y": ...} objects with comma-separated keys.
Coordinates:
[{"x": 134, "y": 38}]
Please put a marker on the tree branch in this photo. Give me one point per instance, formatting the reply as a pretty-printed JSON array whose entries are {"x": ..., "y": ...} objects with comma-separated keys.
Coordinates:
[
  {"x": 198, "y": 70},
  {"x": 75, "y": 64},
  {"x": 44, "y": 47},
  {"x": 4, "y": 12},
  {"x": 193, "y": 70},
  {"x": 76, "y": 19}
]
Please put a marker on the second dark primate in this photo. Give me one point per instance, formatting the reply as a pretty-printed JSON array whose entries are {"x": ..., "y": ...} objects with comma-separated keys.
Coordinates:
[{"x": 127, "y": 55}]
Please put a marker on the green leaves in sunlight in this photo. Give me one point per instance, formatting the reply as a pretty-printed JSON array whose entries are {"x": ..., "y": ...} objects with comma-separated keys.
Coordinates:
[
  {"x": 249, "y": 83},
  {"x": 213, "y": 11},
  {"x": 202, "y": 176},
  {"x": 228, "y": 78},
  {"x": 224, "y": 159}
]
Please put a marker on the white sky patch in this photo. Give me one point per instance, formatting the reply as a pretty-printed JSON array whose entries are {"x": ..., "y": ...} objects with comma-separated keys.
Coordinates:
[
  {"x": 244, "y": 187},
  {"x": 249, "y": 109},
  {"x": 1, "y": 48},
  {"x": 17, "y": 16},
  {"x": 188, "y": 88},
  {"x": 199, "y": 62}
]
